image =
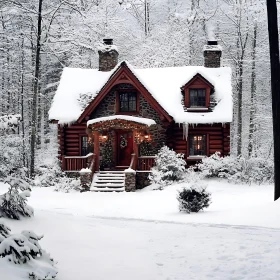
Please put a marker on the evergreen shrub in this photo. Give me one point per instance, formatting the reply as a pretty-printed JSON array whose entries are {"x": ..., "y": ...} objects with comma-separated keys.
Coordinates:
[
  {"x": 169, "y": 167},
  {"x": 193, "y": 199},
  {"x": 237, "y": 169}
]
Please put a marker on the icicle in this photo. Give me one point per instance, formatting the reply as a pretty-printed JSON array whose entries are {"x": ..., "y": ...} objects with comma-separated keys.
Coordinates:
[{"x": 185, "y": 130}]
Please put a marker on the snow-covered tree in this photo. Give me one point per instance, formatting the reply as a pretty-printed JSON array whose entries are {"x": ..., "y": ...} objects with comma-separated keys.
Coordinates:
[
  {"x": 24, "y": 249},
  {"x": 169, "y": 167},
  {"x": 13, "y": 204}
]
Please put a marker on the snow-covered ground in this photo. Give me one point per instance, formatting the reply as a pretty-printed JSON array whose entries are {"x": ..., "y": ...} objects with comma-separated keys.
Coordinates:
[{"x": 142, "y": 235}]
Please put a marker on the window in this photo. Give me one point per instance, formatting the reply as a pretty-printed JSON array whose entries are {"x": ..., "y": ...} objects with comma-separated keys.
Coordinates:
[
  {"x": 128, "y": 101},
  {"x": 85, "y": 145},
  {"x": 197, "y": 145},
  {"x": 197, "y": 98}
]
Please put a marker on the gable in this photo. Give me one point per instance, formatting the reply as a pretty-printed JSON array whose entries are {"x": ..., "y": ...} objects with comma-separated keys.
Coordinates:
[
  {"x": 198, "y": 82},
  {"x": 120, "y": 76}
]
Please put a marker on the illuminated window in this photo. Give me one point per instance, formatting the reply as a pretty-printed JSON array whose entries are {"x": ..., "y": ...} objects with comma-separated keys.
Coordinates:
[
  {"x": 197, "y": 97},
  {"x": 197, "y": 145}
]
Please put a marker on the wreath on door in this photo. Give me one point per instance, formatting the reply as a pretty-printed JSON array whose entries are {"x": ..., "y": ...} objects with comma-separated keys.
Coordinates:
[{"x": 123, "y": 142}]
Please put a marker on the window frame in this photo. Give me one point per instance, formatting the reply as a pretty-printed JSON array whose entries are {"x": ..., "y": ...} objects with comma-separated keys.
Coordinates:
[
  {"x": 86, "y": 150},
  {"x": 118, "y": 101},
  {"x": 197, "y": 92},
  {"x": 190, "y": 142}
]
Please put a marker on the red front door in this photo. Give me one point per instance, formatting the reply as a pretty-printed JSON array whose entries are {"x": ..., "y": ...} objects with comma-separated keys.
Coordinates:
[{"x": 124, "y": 147}]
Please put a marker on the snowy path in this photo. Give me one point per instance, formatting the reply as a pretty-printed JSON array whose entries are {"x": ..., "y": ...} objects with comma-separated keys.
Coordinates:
[{"x": 90, "y": 248}]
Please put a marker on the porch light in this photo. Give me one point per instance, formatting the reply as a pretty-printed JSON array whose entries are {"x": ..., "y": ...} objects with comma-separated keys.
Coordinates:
[
  {"x": 103, "y": 138},
  {"x": 140, "y": 137},
  {"x": 148, "y": 137}
]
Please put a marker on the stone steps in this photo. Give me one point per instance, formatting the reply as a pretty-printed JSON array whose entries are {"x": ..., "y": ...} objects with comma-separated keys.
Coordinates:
[{"x": 109, "y": 181}]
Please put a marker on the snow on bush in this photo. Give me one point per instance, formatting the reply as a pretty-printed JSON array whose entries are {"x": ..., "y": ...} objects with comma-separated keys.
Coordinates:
[
  {"x": 238, "y": 169},
  {"x": 11, "y": 156},
  {"x": 4, "y": 231},
  {"x": 13, "y": 203},
  {"x": 169, "y": 167},
  {"x": 194, "y": 198},
  {"x": 48, "y": 174},
  {"x": 24, "y": 250},
  {"x": 66, "y": 184}
]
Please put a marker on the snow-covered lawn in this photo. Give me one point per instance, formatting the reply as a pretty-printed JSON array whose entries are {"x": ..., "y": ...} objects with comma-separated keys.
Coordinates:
[{"x": 143, "y": 236}]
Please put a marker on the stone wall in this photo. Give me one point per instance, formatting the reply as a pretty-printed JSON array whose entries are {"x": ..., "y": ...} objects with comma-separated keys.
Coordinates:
[
  {"x": 212, "y": 59},
  {"x": 107, "y": 107},
  {"x": 108, "y": 59},
  {"x": 130, "y": 181},
  {"x": 142, "y": 180}
]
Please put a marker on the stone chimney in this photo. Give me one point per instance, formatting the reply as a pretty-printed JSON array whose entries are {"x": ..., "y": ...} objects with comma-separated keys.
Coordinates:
[
  {"x": 108, "y": 55},
  {"x": 212, "y": 54}
]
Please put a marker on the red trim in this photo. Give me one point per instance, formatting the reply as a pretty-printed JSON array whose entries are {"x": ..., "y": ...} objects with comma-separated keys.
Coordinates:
[
  {"x": 117, "y": 78},
  {"x": 197, "y": 82},
  {"x": 197, "y": 76}
]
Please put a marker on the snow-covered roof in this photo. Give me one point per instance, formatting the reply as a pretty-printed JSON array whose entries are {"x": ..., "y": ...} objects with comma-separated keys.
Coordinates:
[
  {"x": 164, "y": 84},
  {"x": 144, "y": 121}
]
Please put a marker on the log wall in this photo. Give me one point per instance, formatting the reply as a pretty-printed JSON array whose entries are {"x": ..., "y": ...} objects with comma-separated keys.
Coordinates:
[
  {"x": 69, "y": 139},
  {"x": 217, "y": 138}
]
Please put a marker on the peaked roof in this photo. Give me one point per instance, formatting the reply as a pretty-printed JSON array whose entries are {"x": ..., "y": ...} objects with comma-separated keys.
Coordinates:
[
  {"x": 123, "y": 74},
  {"x": 80, "y": 86}
]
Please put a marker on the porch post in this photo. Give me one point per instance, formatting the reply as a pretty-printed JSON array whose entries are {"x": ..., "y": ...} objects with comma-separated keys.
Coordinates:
[
  {"x": 96, "y": 149},
  {"x": 135, "y": 151}
]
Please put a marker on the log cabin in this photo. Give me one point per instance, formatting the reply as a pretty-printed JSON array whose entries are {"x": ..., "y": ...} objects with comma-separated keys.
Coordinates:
[{"x": 121, "y": 116}]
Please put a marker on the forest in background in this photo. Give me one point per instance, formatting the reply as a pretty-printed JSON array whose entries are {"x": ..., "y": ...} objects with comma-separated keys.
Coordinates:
[{"x": 148, "y": 33}]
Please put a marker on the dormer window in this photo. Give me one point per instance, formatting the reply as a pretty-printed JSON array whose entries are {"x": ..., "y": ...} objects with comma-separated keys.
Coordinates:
[
  {"x": 197, "y": 94},
  {"x": 197, "y": 98}
]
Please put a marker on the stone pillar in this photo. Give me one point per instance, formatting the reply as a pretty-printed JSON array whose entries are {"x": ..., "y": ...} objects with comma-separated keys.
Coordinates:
[
  {"x": 130, "y": 180},
  {"x": 85, "y": 179}
]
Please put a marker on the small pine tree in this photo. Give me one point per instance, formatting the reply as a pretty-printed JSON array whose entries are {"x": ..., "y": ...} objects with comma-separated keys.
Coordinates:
[
  {"x": 13, "y": 203},
  {"x": 25, "y": 248},
  {"x": 169, "y": 167},
  {"x": 194, "y": 199},
  {"x": 107, "y": 154}
]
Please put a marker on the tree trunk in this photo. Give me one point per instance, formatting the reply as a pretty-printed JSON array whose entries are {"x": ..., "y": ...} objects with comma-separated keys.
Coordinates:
[
  {"x": 252, "y": 127},
  {"x": 275, "y": 88},
  {"x": 35, "y": 92}
]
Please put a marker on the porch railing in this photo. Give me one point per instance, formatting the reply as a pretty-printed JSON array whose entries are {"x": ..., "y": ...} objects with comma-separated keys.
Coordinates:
[
  {"x": 76, "y": 163},
  {"x": 146, "y": 163}
]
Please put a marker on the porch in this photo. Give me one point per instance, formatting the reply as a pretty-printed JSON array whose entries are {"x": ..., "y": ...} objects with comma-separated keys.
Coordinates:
[
  {"x": 117, "y": 143},
  {"x": 76, "y": 163}
]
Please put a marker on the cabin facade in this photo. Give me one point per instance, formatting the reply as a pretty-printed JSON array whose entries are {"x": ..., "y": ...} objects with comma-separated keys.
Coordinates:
[{"x": 117, "y": 116}]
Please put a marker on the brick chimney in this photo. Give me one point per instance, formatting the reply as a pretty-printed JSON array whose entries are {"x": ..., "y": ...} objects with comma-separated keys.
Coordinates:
[
  {"x": 108, "y": 55},
  {"x": 212, "y": 54}
]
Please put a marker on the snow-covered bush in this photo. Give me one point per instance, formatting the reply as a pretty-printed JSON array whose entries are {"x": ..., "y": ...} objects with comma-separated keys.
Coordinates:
[
  {"x": 11, "y": 156},
  {"x": 4, "y": 231},
  {"x": 194, "y": 198},
  {"x": 48, "y": 174},
  {"x": 238, "y": 169},
  {"x": 13, "y": 203},
  {"x": 169, "y": 167},
  {"x": 66, "y": 184},
  {"x": 24, "y": 249}
]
